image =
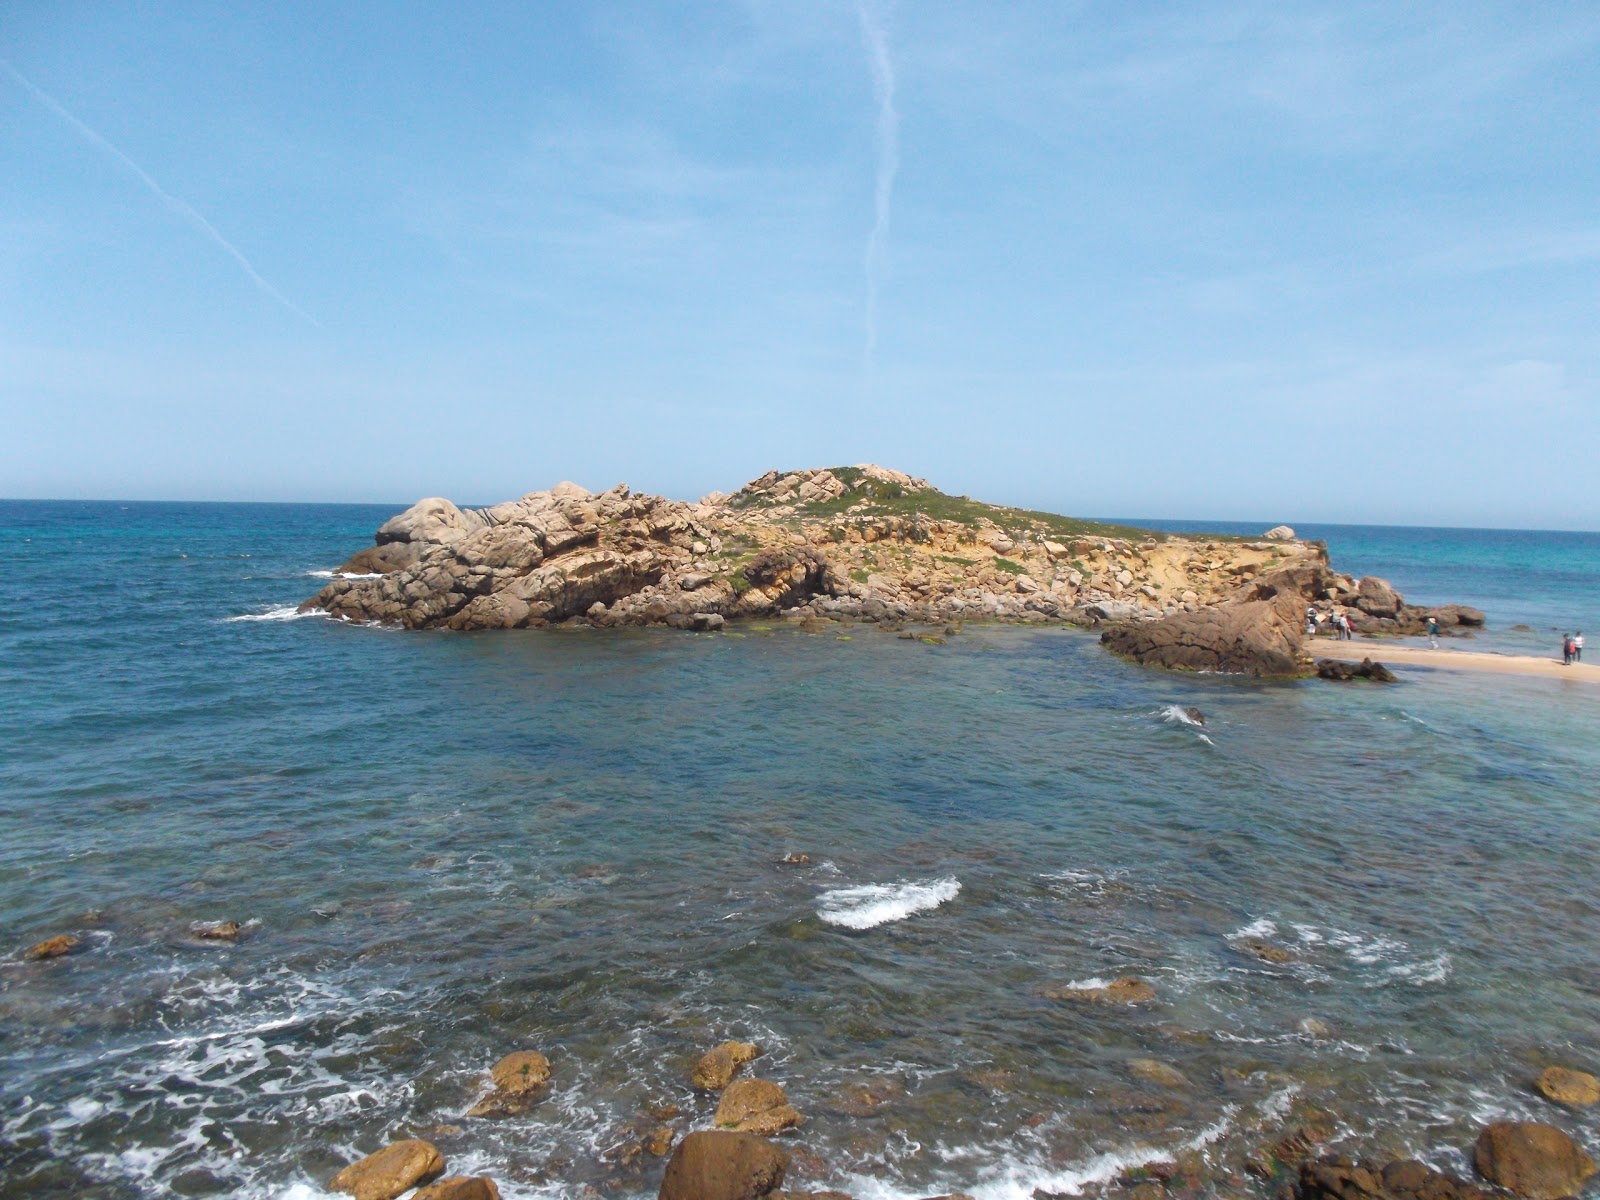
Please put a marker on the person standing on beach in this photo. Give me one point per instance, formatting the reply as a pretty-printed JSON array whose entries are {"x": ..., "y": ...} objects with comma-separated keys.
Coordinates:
[
  {"x": 1433, "y": 633},
  {"x": 1566, "y": 650},
  {"x": 1577, "y": 646}
]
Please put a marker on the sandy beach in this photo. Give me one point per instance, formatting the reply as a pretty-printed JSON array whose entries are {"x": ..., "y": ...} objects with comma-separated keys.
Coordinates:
[{"x": 1391, "y": 655}]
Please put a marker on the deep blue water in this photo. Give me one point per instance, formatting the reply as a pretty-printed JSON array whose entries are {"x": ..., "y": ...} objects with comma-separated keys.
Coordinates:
[{"x": 444, "y": 847}]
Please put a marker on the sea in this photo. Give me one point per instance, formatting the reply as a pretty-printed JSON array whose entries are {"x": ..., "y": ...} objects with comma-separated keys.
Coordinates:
[{"x": 445, "y": 847}]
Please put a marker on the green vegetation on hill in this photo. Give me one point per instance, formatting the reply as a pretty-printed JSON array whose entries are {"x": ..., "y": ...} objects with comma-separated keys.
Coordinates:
[{"x": 885, "y": 498}]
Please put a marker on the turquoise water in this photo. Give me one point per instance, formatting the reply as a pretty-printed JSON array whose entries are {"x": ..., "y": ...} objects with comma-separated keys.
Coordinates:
[{"x": 444, "y": 847}]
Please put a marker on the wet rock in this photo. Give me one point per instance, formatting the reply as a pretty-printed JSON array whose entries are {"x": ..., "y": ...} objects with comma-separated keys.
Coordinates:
[
  {"x": 1266, "y": 951},
  {"x": 1344, "y": 672},
  {"x": 1153, "y": 1070},
  {"x": 1314, "y": 1027},
  {"x": 520, "y": 1079},
  {"x": 460, "y": 1187},
  {"x": 865, "y": 1099},
  {"x": 756, "y": 1106},
  {"x": 1338, "y": 1178},
  {"x": 797, "y": 860},
  {"x": 60, "y": 945},
  {"x": 717, "y": 1165},
  {"x": 716, "y": 1069},
  {"x": 1576, "y": 1089},
  {"x": 217, "y": 931},
  {"x": 1192, "y": 715},
  {"x": 392, "y": 1171},
  {"x": 1127, "y": 990},
  {"x": 1532, "y": 1159}
]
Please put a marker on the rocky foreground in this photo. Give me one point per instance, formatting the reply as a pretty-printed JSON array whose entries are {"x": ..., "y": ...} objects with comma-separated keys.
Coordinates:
[{"x": 857, "y": 543}]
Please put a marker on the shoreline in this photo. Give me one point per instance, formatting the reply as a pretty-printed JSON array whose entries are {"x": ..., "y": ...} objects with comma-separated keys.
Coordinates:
[{"x": 1451, "y": 660}]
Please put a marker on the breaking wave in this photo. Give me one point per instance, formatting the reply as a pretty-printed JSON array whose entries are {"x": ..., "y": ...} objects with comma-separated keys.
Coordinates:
[{"x": 874, "y": 904}]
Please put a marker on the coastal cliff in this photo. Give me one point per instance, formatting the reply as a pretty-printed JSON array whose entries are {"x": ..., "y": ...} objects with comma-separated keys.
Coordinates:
[{"x": 852, "y": 543}]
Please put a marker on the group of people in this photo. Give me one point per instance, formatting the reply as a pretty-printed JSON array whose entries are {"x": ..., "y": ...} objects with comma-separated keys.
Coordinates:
[
  {"x": 1338, "y": 622},
  {"x": 1572, "y": 648}
]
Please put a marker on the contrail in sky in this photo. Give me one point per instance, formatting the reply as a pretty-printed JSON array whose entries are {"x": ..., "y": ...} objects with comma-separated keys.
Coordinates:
[
  {"x": 182, "y": 209},
  {"x": 887, "y": 138}
]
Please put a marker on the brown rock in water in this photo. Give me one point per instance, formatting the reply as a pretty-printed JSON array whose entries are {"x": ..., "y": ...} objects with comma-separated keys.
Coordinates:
[
  {"x": 1127, "y": 990},
  {"x": 56, "y": 947},
  {"x": 392, "y": 1171},
  {"x": 460, "y": 1187},
  {"x": 1251, "y": 637},
  {"x": 1338, "y": 1178},
  {"x": 520, "y": 1079},
  {"x": 216, "y": 931},
  {"x": 1266, "y": 951},
  {"x": 797, "y": 859},
  {"x": 1153, "y": 1070},
  {"x": 716, "y": 1165},
  {"x": 1344, "y": 672},
  {"x": 1576, "y": 1089},
  {"x": 716, "y": 1069},
  {"x": 756, "y": 1106},
  {"x": 1532, "y": 1159}
]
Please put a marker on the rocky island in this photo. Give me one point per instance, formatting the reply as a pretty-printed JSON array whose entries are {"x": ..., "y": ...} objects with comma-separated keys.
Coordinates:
[{"x": 857, "y": 543}]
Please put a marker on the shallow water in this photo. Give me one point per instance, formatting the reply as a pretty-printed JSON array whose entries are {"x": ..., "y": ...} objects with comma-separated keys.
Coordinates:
[{"x": 449, "y": 846}]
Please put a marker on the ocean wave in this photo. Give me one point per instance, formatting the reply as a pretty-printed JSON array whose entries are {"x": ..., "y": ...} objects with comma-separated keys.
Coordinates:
[
  {"x": 344, "y": 574},
  {"x": 874, "y": 904},
  {"x": 281, "y": 612}
]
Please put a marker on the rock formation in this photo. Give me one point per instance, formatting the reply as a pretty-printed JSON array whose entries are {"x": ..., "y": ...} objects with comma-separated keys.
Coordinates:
[
  {"x": 716, "y": 1165},
  {"x": 391, "y": 1172},
  {"x": 860, "y": 543}
]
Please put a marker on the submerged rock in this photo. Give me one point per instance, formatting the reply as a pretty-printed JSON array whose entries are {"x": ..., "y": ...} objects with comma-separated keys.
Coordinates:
[
  {"x": 1532, "y": 1159},
  {"x": 1266, "y": 951},
  {"x": 59, "y": 946},
  {"x": 1127, "y": 990},
  {"x": 391, "y": 1172},
  {"x": 756, "y": 1106},
  {"x": 1343, "y": 672},
  {"x": 717, "y": 1165},
  {"x": 1576, "y": 1089},
  {"x": 519, "y": 1079},
  {"x": 1339, "y": 1178},
  {"x": 1153, "y": 1070},
  {"x": 216, "y": 931},
  {"x": 716, "y": 1069}
]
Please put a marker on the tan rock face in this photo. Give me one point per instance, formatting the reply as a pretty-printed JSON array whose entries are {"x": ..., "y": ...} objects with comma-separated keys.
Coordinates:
[
  {"x": 520, "y": 1079},
  {"x": 716, "y": 1069},
  {"x": 60, "y": 945},
  {"x": 756, "y": 1106},
  {"x": 392, "y": 1171},
  {"x": 460, "y": 1187},
  {"x": 1576, "y": 1089},
  {"x": 1531, "y": 1159},
  {"x": 716, "y": 1165}
]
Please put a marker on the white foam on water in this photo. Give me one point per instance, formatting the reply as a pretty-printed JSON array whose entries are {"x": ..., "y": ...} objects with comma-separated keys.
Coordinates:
[
  {"x": 282, "y": 612},
  {"x": 344, "y": 574},
  {"x": 1259, "y": 928},
  {"x": 874, "y": 904},
  {"x": 1177, "y": 714}
]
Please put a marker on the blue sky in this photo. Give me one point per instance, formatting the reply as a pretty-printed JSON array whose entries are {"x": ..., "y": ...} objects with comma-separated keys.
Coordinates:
[{"x": 1309, "y": 262}]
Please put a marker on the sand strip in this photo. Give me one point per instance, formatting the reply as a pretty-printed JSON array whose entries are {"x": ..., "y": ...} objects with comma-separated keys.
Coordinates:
[{"x": 1391, "y": 655}]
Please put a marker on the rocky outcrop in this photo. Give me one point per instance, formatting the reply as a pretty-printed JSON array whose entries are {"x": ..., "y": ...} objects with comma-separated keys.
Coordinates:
[
  {"x": 717, "y": 1165},
  {"x": 1339, "y": 1178},
  {"x": 1534, "y": 1160},
  {"x": 460, "y": 1187},
  {"x": 852, "y": 543},
  {"x": 392, "y": 1171}
]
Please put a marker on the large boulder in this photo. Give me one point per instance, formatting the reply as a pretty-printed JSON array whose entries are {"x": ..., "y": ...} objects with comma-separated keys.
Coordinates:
[
  {"x": 434, "y": 520},
  {"x": 520, "y": 1079},
  {"x": 1532, "y": 1159},
  {"x": 756, "y": 1106},
  {"x": 1279, "y": 533},
  {"x": 1255, "y": 637},
  {"x": 1343, "y": 672},
  {"x": 717, "y": 1165},
  {"x": 460, "y": 1187},
  {"x": 1377, "y": 598},
  {"x": 392, "y": 1171},
  {"x": 57, "y": 947}
]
